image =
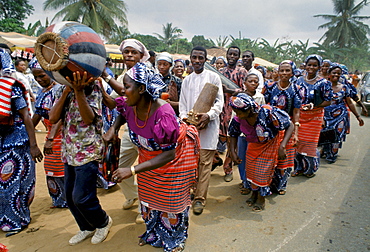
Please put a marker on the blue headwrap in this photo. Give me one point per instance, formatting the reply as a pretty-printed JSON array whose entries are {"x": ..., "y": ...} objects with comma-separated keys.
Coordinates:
[
  {"x": 182, "y": 61},
  {"x": 326, "y": 61},
  {"x": 294, "y": 69},
  {"x": 34, "y": 63},
  {"x": 344, "y": 69},
  {"x": 291, "y": 63},
  {"x": 335, "y": 65},
  {"x": 263, "y": 70},
  {"x": 152, "y": 81},
  {"x": 244, "y": 102},
  {"x": 7, "y": 66},
  {"x": 314, "y": 56}
]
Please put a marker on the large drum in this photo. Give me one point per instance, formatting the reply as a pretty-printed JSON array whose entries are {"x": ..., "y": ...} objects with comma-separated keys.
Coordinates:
[
  {"x": 204, "y": 103},
  {"x": 67, "y": 47}
]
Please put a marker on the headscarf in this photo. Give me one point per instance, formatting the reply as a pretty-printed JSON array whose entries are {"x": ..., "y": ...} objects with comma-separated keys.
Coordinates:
[
  {"x": 152, "y": 81},
  {"x": 344, "y": 69},
  {"x": 244, "y": 102},
  {"x": 335, "y": 65},
  {"x": 326, "y": 61},
  {"x": 314, "y": 56},
  {"x": 136, "y": 44},
  {"x": 7, "y": 66},
  {"x": 180, "y": 60},
  {"x": 263, "y": 70},
  {"x": 34, "y": 63},
  {"x": 294, "y": 68},
  {"x": 223, "y": 59},
  {"x": 164, "y": 56},
  {"x": 291, "y": 63}
]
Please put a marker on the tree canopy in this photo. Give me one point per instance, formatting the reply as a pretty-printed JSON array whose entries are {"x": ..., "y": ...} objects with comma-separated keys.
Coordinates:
[
  {"x": 100, "y": 15},
  {"x": 345, "y": 27},
  {"x": 12, "y": 14}
]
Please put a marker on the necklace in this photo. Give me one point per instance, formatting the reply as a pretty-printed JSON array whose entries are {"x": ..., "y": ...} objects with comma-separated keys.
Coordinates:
[
  {"x": 147, "y": 116},
  {"x": 310, "y": 79},
  {"x": 281, "y": 88}
]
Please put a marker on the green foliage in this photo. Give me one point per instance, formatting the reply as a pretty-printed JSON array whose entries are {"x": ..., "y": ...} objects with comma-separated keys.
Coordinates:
[
  {"x": 12, "y": 13},
  {"x": 119, "y": 34},
  {"x": 100, "y": 15},
  {"x": 222, "y": 41},
  {"x": 37, "y": 28},
  {"x": 181, "y": 46},
  {"x": 199, "y": 40},
  {"x": 150, "y": 42},
  {"x": 170, "y": 34},
  {"x": 11, "y": 25},
  {"x": 345, "y": 28},
  {"x": 19, "y": 9}
]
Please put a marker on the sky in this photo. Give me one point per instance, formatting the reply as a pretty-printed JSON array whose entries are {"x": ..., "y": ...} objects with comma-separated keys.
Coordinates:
[{"x": 268, "y": 19}]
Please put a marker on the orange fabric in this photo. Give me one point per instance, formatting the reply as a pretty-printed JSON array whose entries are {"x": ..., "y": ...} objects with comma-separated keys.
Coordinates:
[
  {"x": 309, "y": 131},
  {"x": 261, "y": 160},
  {"x": 53, "y": 164},
  {"x": 167, "y": 188}
]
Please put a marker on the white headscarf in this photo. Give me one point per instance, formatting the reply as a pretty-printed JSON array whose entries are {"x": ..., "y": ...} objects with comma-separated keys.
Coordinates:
[{"x": 136, "y": 44}]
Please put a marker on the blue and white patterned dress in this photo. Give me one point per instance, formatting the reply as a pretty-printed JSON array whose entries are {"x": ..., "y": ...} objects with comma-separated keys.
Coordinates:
[{"x": 17, "y": 170}]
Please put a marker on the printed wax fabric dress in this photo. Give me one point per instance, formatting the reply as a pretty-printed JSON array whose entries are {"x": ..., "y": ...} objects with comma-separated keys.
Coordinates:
[
  {"x": 53, "y": 165},
  {"x": 17, "y": 169},
  {"x": 336, "y": 118},
  {"x": 164, "y": 192}
]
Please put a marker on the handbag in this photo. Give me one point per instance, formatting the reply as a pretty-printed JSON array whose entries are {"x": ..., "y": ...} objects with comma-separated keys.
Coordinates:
[
  {"x": 111, "y": 158},
  {"x": 327, "y": 136}
]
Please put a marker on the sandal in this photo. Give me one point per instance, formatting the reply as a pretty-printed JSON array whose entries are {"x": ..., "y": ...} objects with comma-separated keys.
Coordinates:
[
  {"x": 310, "y": 175},
  {"x": 142, "y": 242},
  {"x": 245, "y": 191},
  {"x": 295, "y": 174},
  {"x": 258, "y": 207},
  {"x": 180, "y": 248},
  {"x": 282, "y": 192},
  {"x": 250, "y": 202}
]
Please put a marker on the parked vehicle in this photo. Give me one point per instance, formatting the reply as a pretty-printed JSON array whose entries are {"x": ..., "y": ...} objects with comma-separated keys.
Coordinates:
[{"x": 364, "y": 89}]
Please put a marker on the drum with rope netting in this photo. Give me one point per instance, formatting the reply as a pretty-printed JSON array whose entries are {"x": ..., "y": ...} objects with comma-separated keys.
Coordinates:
[{"x": 67, "y": 47}]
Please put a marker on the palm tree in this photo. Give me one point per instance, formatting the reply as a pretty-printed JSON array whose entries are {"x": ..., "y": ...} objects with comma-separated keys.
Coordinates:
[
  {"x": 37, "y": 28},
  {"x": 222, "y": 41},
  {"x": 273, "y": 53},
  {"x": 170, "y": 34},
  {"x": 100, "y": 15},
  {"x": 119, "y": 34},
  {"x": 345, "y": 27}
]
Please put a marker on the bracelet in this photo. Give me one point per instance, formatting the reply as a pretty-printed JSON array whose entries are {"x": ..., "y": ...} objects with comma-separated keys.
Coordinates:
[
  {"x": 108, "y": 78},
  {"x": 358, "y": 116},
  {"x": 50, "y": 139},
  {"x": 133, "y": 172},
  {"x": 297, "y": 124}
]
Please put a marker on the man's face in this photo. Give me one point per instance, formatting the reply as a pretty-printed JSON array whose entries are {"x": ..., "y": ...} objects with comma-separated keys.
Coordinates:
[
  {"x": 198, "y": 58},
  {"x": 232, "y": 56},
  {"x": 247, "y": 59},
  {"x": 131, "y": 56}
]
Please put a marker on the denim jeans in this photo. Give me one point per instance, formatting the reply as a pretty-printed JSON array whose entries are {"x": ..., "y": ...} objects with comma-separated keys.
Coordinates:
[
  {"x": 242, "y": 150},
  {"x": 80, "y": 189}
]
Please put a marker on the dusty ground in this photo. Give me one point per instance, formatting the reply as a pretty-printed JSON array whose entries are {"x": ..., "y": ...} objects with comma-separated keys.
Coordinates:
[{"x": 329, "y": 212}]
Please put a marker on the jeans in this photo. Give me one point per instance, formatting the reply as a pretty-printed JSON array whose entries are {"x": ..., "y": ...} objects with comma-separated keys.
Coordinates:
[
  {"x": 80, "y": 189},
  {"x": 242, "y": 150}
]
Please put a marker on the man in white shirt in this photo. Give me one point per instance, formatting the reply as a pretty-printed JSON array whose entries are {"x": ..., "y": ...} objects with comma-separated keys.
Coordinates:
[
  {"x": 248, "y": 58},
  {"x": 208, "y": 125}
]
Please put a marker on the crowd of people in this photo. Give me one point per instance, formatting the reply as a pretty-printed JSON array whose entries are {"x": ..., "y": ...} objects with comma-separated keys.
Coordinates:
[{"x": 271, "y": 127}]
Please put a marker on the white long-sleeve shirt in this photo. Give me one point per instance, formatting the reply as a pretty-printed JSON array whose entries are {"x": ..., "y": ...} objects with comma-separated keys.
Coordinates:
[{"x": 191, "y": 87}]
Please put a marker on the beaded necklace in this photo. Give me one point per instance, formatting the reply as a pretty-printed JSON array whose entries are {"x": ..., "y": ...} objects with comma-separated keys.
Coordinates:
[{"x": 147, "y": 116}]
